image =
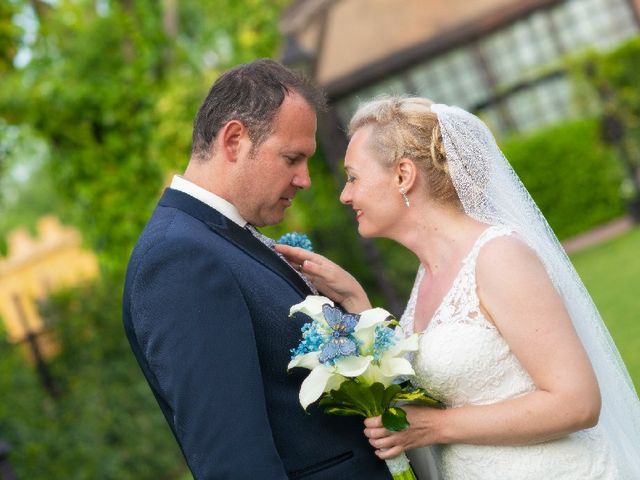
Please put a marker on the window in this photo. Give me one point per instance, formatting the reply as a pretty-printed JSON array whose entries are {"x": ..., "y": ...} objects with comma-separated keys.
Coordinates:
[{"x": 516, "y": 56}]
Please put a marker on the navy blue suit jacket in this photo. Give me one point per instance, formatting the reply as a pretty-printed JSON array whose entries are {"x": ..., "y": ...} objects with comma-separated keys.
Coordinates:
[{"x": 206, "y": 310}]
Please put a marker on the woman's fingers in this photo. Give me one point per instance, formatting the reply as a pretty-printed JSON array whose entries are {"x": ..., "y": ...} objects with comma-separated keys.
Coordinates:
[
  {"x": 295, "y": 254},
  {"x": 374, "y": 433},
  {"x": 382, "y": 443},
  {"x": 373, "y": 422},
  {"x": 385, "y": 442},
  {"x": 388, "y": 453}
]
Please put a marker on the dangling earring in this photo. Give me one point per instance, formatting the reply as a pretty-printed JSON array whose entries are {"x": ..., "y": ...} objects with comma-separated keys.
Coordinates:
[{"x": 404, "y": 196}]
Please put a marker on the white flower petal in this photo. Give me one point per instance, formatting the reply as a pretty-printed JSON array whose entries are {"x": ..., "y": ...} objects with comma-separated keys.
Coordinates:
[
  {"x": 334, "y": 382},
  {"x": 308, "y": 360},
  {"x": 393, "y": 367},
  {"x": 366, "y": 337},
  {"x": 372, "y": 317},
  {"x": 352, "y": 366},
  {"x": 371, "y": 375},
  {"x": 311, "y": 306},
  {"x": 403, "y": 345},
  {"x": 314, "y": 385}
]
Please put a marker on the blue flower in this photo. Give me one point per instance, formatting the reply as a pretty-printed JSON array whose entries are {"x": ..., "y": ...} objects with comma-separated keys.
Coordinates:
[
  {"x": 312, "y": 340},
  {"x": 295, "y": 239},
  {"x": 384, "y": 339}
]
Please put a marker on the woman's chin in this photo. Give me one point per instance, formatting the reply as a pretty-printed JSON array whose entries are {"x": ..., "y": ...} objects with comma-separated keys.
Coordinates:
[{"x": 365, "y": 232}]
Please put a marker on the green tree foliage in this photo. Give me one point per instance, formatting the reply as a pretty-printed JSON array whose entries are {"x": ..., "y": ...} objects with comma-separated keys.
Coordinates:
[
  {"x": 114, "y": 90},
  {"x": 105, "y": 423},
  {"x": 26, "y": 191},
  {"x": 110, "y": 91},
  {"x": 613, "y": 77},
  {"x": 572, "y": 176},
  {"x": 9, "y": 36}
]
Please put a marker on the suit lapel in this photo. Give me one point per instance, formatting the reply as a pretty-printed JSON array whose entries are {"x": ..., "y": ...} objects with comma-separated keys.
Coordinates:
[{"x": 235, "y": 234}]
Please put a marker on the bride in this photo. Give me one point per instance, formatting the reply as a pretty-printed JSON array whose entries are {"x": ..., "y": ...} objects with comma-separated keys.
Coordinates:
[{"x": 510, "y": 339}]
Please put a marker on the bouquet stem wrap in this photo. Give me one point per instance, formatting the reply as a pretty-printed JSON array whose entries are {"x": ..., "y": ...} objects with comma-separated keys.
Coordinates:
[{"x": 400, "y": 468}]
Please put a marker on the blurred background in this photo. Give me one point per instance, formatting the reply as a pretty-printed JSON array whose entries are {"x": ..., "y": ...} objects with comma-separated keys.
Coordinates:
[{"x": 97, "y": 98}]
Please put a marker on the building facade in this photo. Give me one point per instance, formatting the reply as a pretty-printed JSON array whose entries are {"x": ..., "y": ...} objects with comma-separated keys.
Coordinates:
[{"x": 501, "y": 59}]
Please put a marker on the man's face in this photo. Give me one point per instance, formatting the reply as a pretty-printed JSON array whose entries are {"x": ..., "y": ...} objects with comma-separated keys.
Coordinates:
[{"x": 277, "y": 168}]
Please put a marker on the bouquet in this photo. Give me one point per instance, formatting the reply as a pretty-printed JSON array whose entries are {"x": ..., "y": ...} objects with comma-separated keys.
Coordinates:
[{"x": 357, "y": 363}]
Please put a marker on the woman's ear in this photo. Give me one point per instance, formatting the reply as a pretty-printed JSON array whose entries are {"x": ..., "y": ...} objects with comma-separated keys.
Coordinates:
[{"x": 406, "y": 174}]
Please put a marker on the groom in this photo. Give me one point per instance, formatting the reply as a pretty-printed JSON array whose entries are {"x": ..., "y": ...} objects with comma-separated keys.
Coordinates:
[{"x": 206, "y": 302}]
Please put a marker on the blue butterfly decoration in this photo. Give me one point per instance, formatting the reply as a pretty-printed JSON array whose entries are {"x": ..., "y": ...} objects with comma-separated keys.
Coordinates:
[{"x": 340, "y": 344}]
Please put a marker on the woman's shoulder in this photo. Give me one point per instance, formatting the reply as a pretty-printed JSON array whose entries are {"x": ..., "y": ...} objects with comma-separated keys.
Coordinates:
[{"x": 506, "y": 256}]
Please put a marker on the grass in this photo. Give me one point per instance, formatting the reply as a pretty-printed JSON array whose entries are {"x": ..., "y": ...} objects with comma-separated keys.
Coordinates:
[{"x": 611, "y": 273}]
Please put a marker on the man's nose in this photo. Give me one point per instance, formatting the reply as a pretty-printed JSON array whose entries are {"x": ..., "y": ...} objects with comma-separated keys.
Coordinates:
[{"x": 302, "y": 179}]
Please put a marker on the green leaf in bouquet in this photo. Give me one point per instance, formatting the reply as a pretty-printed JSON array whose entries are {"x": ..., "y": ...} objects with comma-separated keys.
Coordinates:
[
  {"x": 377, "y": 394},
  {"x": 355, "y": 395},
  {"x": 409, "y": 393},
  {"x": 330, "y": 403},
  {"x": 394, "y": 419},
  {"x": 393, "y": 323},
  {"x": 344, "y": 411},
  {"x": 390, "y": 394}
]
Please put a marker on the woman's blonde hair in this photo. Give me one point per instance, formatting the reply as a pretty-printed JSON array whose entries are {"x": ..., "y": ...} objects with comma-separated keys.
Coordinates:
[{"x": 405, "y": 127}]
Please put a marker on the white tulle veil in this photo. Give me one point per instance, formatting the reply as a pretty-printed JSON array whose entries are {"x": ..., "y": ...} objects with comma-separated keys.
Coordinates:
[{"x": 491, "y": 192}]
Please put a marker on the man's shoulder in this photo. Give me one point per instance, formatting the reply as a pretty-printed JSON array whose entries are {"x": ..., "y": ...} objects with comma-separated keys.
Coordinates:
[
  {"x": 175, "y": 223},
  {"x": 169, "y": 229}
]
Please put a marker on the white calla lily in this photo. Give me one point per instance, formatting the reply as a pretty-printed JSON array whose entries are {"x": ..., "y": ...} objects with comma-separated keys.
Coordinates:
[
  {"x": 312, "y": 307},
  {"x": 308, "y": 360},
  {"x": 314, "y": 385},
  {"x": 324, "y": 377},
  {"x": 393, "y": 367},
  {"x": 334, "y": 382},
  {"x": 371, "y": 318},
  {"x": 365, "y": 331},
  {"x": 403, "y": 345},
  {"x": 352, "y": 366}
]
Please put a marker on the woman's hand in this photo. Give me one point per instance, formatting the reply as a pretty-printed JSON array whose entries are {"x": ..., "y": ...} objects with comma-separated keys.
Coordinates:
[
  {"x": 422, "y": 431},
  {"x": 330, "y": 279}
]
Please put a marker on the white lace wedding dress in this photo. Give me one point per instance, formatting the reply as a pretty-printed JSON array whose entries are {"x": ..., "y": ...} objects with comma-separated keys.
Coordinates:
[{"x": 463, "y": 360}]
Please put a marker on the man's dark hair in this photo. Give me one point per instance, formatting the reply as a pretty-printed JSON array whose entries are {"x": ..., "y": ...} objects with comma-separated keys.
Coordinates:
[{"x": 251, "y": 94}]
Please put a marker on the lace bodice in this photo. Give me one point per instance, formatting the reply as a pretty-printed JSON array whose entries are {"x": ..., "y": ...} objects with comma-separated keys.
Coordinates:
[
  {"x": 485, "y": 371},
  {"x": 464, "y": 360}
]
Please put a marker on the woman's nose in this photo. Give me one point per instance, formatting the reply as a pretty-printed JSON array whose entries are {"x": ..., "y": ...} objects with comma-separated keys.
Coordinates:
[{"x": 345, "y": 196}]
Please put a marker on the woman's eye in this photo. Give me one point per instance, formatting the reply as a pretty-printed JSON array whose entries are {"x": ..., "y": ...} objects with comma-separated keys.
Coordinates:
[{"x": 351, "y": 179}]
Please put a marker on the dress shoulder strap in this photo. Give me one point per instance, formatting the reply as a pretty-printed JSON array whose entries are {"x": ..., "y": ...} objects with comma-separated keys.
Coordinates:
[{"x": 489, "y": 234}]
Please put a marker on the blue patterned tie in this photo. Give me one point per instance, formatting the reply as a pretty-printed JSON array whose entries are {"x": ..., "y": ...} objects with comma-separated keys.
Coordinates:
[{"x": 271, "y": 243}]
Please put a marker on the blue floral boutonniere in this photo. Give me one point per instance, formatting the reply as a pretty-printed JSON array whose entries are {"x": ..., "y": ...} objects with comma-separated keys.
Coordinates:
[{"x": 295, "y": 239}]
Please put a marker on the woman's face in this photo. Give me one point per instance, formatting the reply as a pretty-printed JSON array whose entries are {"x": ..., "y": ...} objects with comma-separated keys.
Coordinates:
[{"x": 371, "y": 189}]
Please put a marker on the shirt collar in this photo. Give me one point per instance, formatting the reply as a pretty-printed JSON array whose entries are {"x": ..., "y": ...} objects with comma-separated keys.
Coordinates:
[{"x": 214, "y": 201}]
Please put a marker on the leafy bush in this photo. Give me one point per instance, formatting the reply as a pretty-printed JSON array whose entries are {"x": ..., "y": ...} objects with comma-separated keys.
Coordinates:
[
  {"x": 571, "y": 175},
  {"x": 613, "y": 77},
  {"x": 105, "y": 423}
]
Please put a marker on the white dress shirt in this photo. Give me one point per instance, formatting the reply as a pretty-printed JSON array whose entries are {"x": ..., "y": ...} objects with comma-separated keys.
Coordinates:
[
  {"x": 228, "y": 210},
  {"x": 214, "y": 201}
]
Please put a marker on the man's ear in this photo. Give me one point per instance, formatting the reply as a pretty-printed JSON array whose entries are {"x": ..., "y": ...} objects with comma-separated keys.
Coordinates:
[
  {"x": 406, "y": 174},
  {"x": 231, "y": 138}
]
